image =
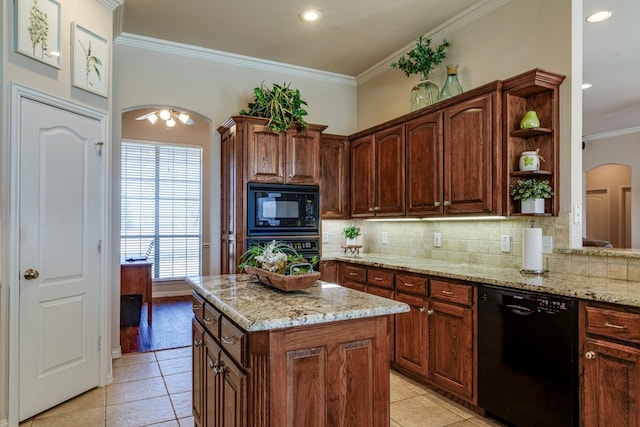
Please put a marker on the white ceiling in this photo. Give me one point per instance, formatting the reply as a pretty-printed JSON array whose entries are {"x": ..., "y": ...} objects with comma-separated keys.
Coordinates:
[{"x": 355, "y": 35}]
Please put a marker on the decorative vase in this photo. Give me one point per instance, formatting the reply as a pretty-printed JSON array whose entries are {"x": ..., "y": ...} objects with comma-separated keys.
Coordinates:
[
  {"x": 529, "y": 161},
  {"x": 530, "y": 120},
  {"x": 532, "y": 206},
  {"x": 451, "y": 84},
  {"x": 424, "y": 93}
]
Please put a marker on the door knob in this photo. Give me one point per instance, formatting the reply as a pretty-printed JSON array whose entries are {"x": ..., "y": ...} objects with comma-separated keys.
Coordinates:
[
  {"x": 31, "y": 274},
  {"x": 590, "y": 355}
]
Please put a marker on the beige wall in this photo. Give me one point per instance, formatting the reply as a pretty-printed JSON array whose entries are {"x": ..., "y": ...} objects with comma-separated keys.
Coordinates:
[{"x": 92, "y": 14}]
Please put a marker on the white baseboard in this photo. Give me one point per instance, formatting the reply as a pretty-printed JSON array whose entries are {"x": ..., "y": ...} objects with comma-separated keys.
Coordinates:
[
  {"x": 116, "y": 353},
  {"x": 4, "y": 423}
]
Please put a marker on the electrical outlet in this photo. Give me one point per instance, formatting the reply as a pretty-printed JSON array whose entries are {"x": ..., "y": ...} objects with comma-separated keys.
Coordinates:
[
  {"x": 437, "y": 240},
  {"x": 385, "y": 238},
  {"x": 547, "y": 244},
  {"x": 325, "y": 237},
  {"x": 505, "y": 243}
]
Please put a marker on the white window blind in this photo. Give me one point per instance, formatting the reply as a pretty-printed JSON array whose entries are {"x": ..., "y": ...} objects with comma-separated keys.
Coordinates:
[{"x": 161, "y": 199}]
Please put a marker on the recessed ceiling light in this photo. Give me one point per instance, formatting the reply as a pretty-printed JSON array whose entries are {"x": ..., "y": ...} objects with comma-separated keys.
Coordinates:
[
  {"x": 586, "y": 85},
  {"x": 599, "y": 16},
  {"x": 310, "y": 15}
]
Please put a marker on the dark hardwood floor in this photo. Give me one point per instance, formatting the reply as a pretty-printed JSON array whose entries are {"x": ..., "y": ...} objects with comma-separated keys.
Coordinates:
[{"x": 170, "y": 327}]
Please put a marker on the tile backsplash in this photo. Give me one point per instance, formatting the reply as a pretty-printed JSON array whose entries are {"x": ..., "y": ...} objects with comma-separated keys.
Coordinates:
[{"x": 478, "y": 242}]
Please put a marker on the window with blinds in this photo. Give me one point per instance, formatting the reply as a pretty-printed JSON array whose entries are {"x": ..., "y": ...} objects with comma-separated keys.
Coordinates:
[{"x": 161, "y": 205}]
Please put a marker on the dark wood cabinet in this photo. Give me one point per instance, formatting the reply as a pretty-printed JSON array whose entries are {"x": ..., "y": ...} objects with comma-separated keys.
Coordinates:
[
  {"x": 334, "y": 177},
  {"x": 197, "y": 361},
  {"x": 610, "y": 365},
  {"x": 352, "y": 276},
  {"x": 252, "y": 153},
  {"x": 412, "y": 336},
  {"x": 377, "y": 174}
]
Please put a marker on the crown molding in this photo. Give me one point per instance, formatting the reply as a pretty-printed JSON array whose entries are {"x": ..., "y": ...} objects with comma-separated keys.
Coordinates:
[
  {"x": 112, "y": 4},
  {"x": 464, "y": 18},
  {"x": 174, "y": 48},
  {"x": 611, "y": 134}
]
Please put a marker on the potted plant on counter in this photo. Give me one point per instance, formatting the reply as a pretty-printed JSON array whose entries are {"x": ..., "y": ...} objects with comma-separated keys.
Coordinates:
[
  {"x": 282, "y": 105},
  {"x": 531, "y": 194},
  {"x": 351, "y": 232}
]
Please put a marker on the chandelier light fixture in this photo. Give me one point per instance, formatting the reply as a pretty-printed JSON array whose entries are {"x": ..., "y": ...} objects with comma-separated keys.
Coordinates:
[{"x": 169, "y": 115}]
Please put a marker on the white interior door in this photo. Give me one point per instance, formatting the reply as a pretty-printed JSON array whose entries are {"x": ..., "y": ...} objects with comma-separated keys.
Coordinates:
[{"x": 59, "y": 217}]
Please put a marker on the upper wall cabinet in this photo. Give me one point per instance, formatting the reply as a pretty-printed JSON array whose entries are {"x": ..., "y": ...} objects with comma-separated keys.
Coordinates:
[
  {"x": 334, "y": 177},
  {"x": 538, "y": 91}
]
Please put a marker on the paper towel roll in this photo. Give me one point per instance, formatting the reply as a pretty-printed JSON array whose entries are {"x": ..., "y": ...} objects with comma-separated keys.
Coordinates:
[{"x": 532, "y": 250}]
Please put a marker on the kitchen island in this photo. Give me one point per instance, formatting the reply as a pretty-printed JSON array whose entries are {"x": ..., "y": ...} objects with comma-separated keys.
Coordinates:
[{"x": 263, "y": 357}]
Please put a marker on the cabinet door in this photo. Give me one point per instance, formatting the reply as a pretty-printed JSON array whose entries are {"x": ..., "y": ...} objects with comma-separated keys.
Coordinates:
[
  {"x": 611, "y": 382},
  {"x": 197, "y": 345},
  {"x": 211, "y": 399},
  {"x": 470, "y": 141},
  {"x": 302, "y": 163},
  {"x": 334, "y": 177},
  {"x": 386, "y": 293},
  {"x": 389, "y": 172},
  {"x": 412, "y": 343},
  {"x": 424, "y": 165},
  {"x": 265, "y": 154},
  {"x": 451, "y": 348},
  {"x": 233, "y": 393},
  {"x": 362, "y": 185}
]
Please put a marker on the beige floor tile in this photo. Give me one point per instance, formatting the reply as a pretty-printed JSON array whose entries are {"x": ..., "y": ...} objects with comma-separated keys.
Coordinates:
[
  {"x": 448, "y": 404},
  {"x": 414, "y": 412},
  {"x": 26, "y": 423},
  {"x": 136, "y": 372},
  {"x": 485, "y": 422},
  {"x": 135, "y": 390},
  {"x": 89, "y": 400},
  {"x": 186, "y": 422},
  {"x": 173, "y": 353},
  {"x": 464, "y": 423},
  {"x": 173, "y": 423},
  {"x": 140, "y": 413},
  {"x": 175, "y": 366},
  {"x": 401, "y": 388},
  {"x": 178, "y": 383},
  {"x": 87, "y": 417},
  {"x": 392, "y": 424},
  {"x": 134, "y": 359},
  {"x": 182, "y": 404}
]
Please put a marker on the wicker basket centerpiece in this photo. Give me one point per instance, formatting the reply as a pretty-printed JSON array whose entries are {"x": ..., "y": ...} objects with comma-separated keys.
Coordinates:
[{"x": 280, "y": 266}]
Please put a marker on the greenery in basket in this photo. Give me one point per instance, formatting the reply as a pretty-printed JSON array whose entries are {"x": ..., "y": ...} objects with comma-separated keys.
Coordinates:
[
  {"x": 531, "y": 189},
  {"x": 277, "y": 257},
  {"x": 351, "y": 231},
  {"x": 282, "y": 105},
  {"x": 422, "y": 58}
]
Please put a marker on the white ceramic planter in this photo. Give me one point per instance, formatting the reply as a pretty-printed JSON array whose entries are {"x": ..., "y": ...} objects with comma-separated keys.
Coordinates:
[
  {"x": 533, "y": 206},
  {"x": 352, "y": 242}
]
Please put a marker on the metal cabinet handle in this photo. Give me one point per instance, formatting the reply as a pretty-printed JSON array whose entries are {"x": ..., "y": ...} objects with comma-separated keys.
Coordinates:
[
  {"x": 197, "y": 306},
  {"x": 436, "y": 204},
  {"x": 353, "y": 274},
  {"x": 408, "y": 285},
  {"x": 430, "y": 312},
  {"x": 209, "y": 320},
  {"x": 611, "y": 325},
  {"x": 227, "y": 340},
  {"x": 31, "y": 274},
  {"x": 422, "y": 309},
  {"x": 448, "y": 292},
  {"x": 197, "y": 343},
  {"x": 379, "y": 279},
  {"x": 447, "y": 203},
  {"x": 590, "y": 355},
  {"x": 376, "y": 208},
  {"x": 371, "y": 209}
]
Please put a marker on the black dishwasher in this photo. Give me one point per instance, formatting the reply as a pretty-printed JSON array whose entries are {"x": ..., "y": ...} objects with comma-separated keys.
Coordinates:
[{"x": 528, "y": 357}]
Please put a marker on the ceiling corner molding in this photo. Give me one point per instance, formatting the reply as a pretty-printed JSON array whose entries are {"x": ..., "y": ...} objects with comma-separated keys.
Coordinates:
[
  {"x": 464, "y": 18},
  {"x": 112, "y": 4},
  {"x": 174, "y": 48},
  {"x": 611, "y": 134}
]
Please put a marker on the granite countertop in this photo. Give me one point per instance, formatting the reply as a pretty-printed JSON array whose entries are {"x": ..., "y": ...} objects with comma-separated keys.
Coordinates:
[
  {"x": 255, "y": 307},
  {"x": 589, "y": 288}
]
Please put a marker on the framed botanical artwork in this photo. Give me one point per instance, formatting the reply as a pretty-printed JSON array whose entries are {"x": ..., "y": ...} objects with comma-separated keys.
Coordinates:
[
  {"x": 38, "y": 30},
  {"x": 89, "y": 61}
]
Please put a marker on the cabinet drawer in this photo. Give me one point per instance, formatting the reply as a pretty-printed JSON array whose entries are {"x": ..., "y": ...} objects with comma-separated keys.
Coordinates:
[
  {"x": 381, "y": 292},
  {"x": 234, "y": 340},
  {"x": 379, "y": 277},
  {"x": 452, "y": 292},
  {"x": 411, "y": 283},
  {"x": 612, "y": 323},
  {"x": 353, "y": 273},
  {"x": 197, "y": 304},
  {"x": 211, "y": 320}
]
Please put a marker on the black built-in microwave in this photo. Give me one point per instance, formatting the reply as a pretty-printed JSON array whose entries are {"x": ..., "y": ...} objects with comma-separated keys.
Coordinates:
[{"x": 282, "y": 210}]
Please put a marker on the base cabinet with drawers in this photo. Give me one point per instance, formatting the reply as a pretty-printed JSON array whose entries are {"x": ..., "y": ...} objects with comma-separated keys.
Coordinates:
[
  {"x": 329, "y": 374},
  {"x": 610, "y": 360}
]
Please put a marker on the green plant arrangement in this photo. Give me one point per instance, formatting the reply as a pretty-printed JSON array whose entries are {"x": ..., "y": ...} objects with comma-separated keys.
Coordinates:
[
  {"x": 351, "y": 231},
  {"x": 282, "y": 105},
  {"x": 422, "y": 58},
  {"x": 531, "y": 189},
  {"x": 277, "y": 257}
]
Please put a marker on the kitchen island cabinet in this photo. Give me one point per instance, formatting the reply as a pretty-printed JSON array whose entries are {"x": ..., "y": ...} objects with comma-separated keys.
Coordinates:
[{"x": 266, "y": 352}]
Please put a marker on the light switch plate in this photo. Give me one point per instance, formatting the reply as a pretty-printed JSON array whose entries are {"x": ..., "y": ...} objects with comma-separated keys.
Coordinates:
[
  {"x": 437, "y": 240},
  {"x": 325, "y": 237},
  {"x": 505, "y": 243},
  {"x": 385, "y": 238},
  {"x": 547, "y": 244}
]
